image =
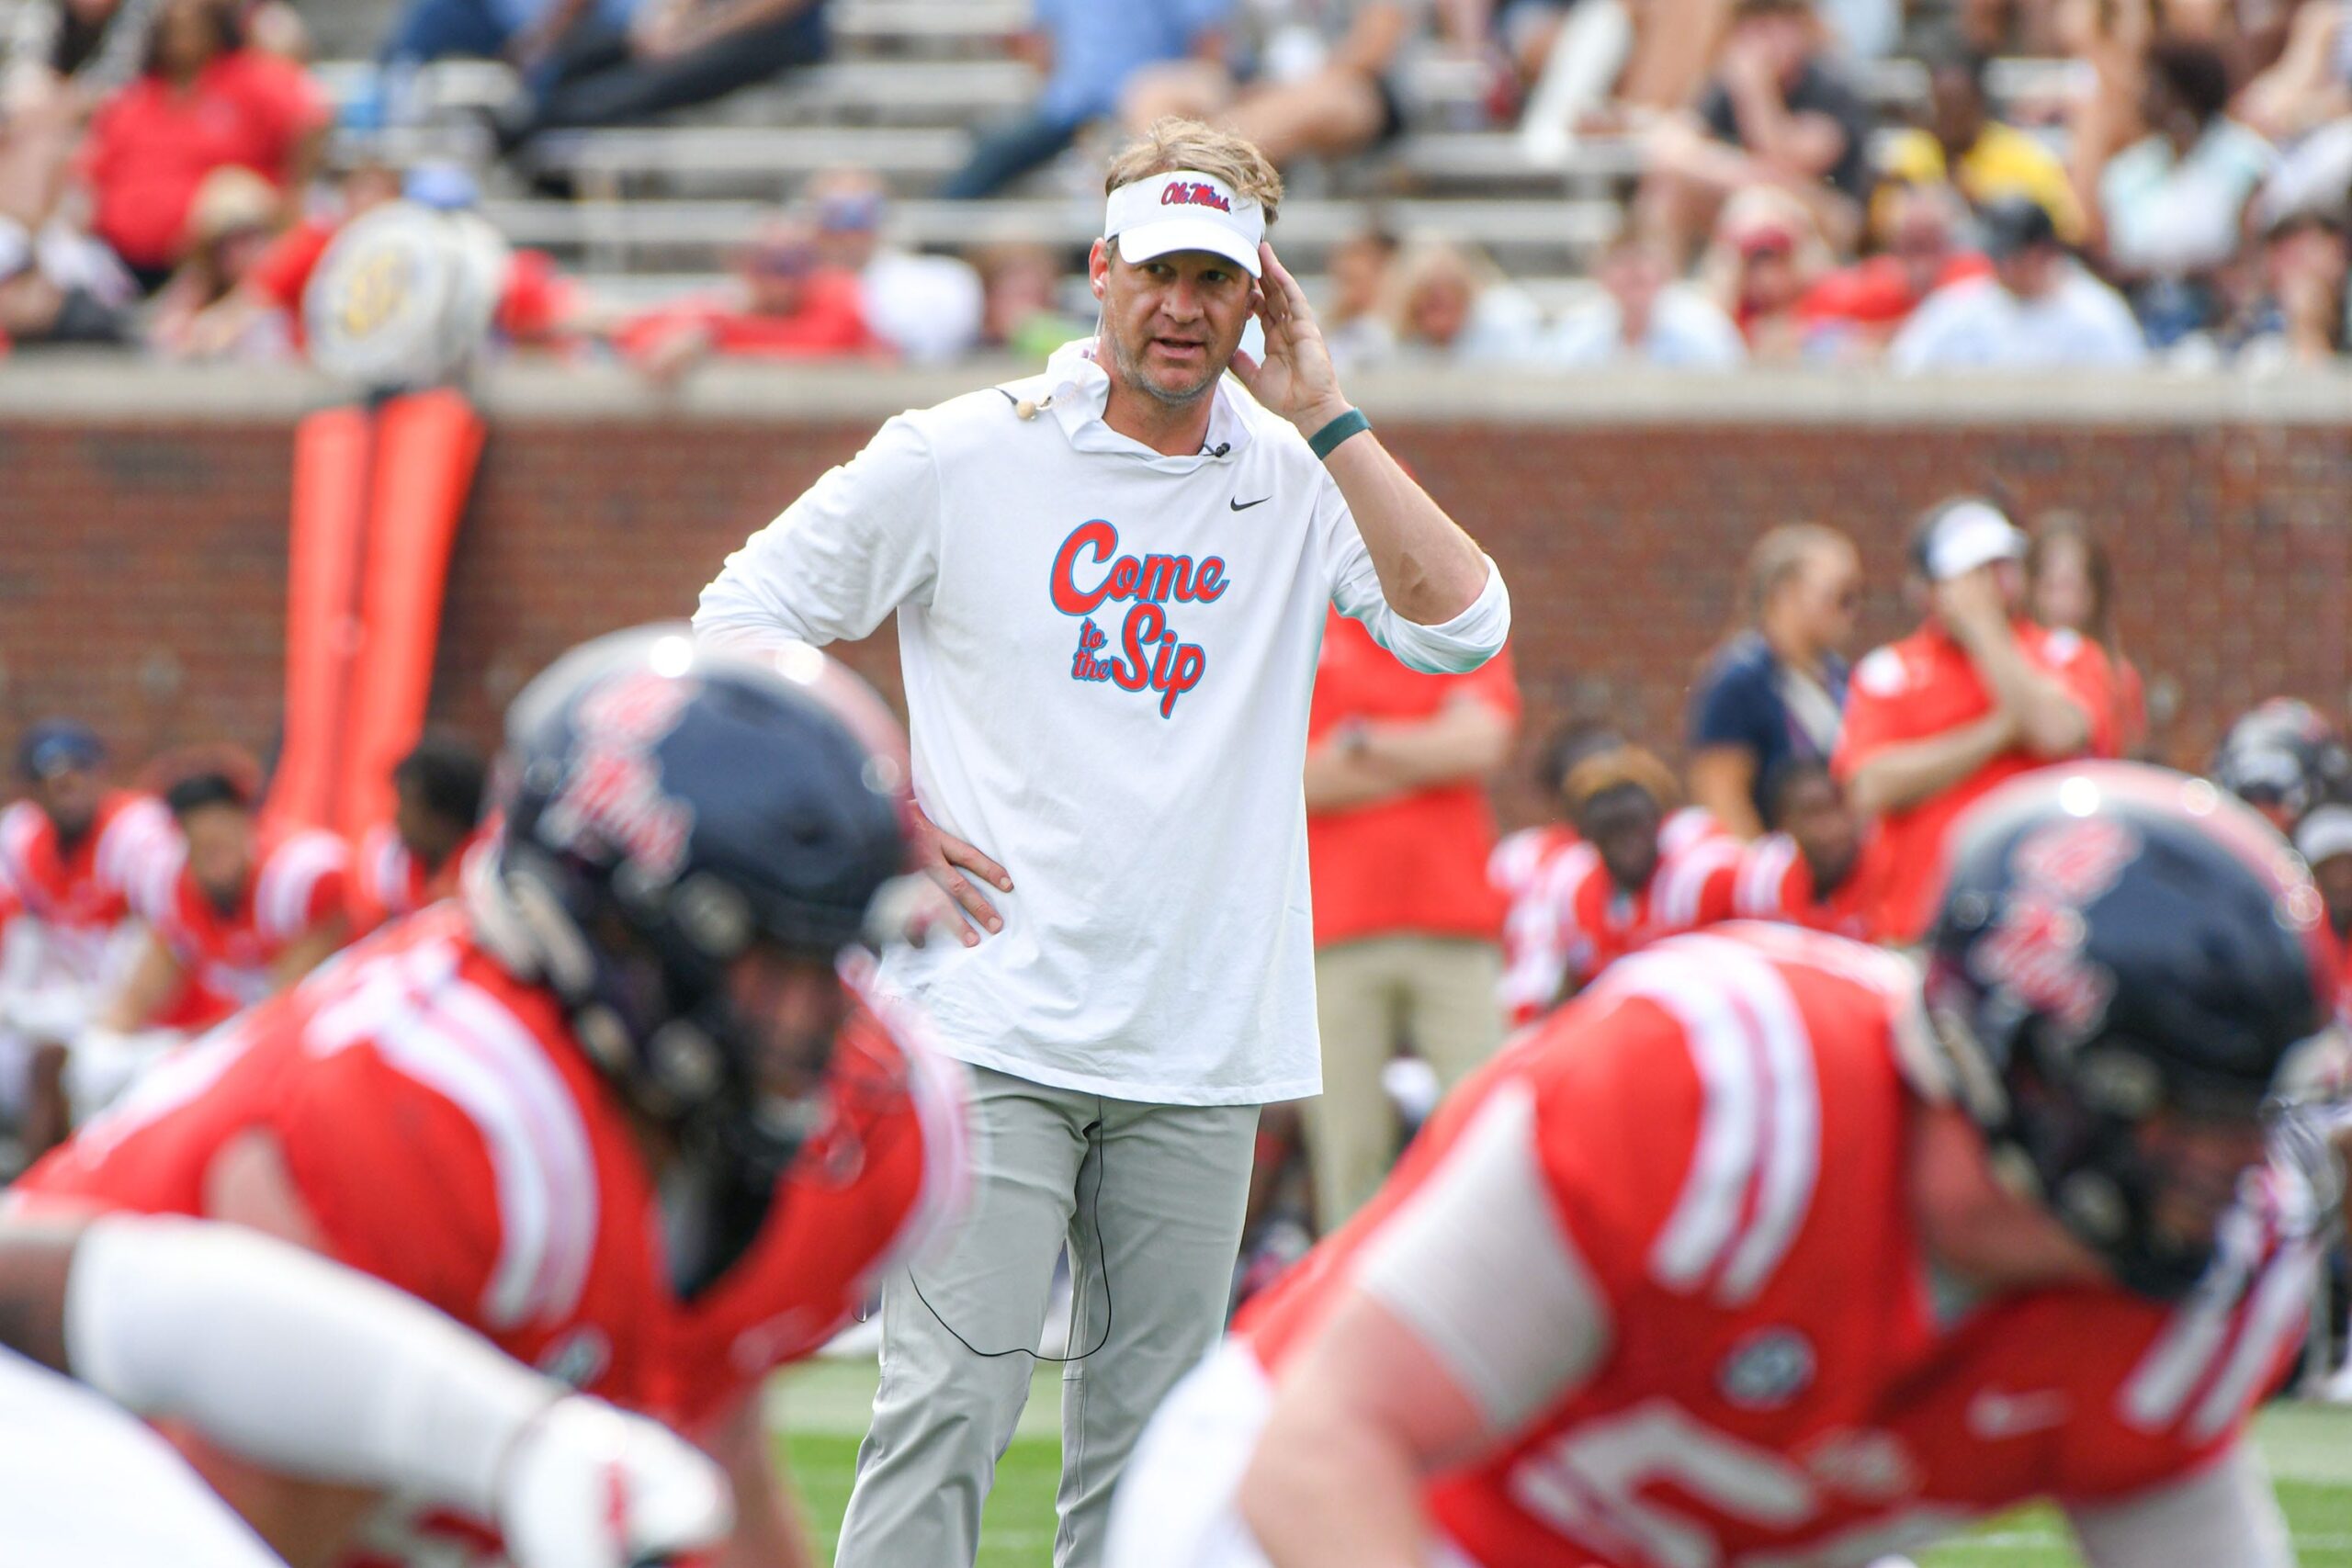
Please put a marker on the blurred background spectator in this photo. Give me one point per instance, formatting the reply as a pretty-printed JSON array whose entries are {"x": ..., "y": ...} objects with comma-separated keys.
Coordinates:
[
  {"x": 926, "y": 308},
  {"x": 783, "y": 303},
  {"x": 1090, "y": 52},
  {"x": 2039, "y": 310},
  {"x": 1772, "y": 692},
  {"x": 229, "y": 229},
  {"x": 1643, "y": 317},
  {"x": 1301, "y": 78},
  {"x": 2070, "y": 587},
  {"x": 1850, "y": 313},
  {"x": 1020, "y": 310},
  {"x": 60, "y": 287},
  {"x": 1964, "y": 142},
  {"x": 1355, "y": 328},
  {"x": 1449, "y": 303},
  {"x": 1976, "y": 695},
  {"x": 1766, "y": 258},
  {"x": 1777, "y": 114},
  {"x": 1399, "y": 831},
  {"x": 667, "y": 54},
  {"x": 2296, "y": 315},
  {"x": 203, "y": 100},
  {"x": 2171, "y": 204}
]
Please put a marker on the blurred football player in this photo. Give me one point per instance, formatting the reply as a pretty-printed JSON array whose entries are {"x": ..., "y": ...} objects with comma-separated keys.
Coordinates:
[
  {"x": 69, "y": 855},
  {"x": 1763, "y": 1252},
  {"x": 621, "y": 1105},
  {"x": 318, "y": 1372},
  {"x": 1636, "y": 874},
  {"x": 414, "y": 859},
  {"x": 2284, "y": 758},
  {"x": 233, "y": 913},
  {"x": 1803, "y": 872}
]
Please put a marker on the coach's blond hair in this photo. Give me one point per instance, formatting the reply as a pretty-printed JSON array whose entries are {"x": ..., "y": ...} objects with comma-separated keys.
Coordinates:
[{"x": 1175, "y": 143}]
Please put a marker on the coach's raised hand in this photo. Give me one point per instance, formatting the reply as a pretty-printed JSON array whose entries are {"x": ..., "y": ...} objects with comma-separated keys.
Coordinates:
[{"x": 1295, "y": 378}]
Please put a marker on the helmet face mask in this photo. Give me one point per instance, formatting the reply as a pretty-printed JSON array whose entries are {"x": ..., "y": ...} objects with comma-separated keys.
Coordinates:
[{"x": 2124, "y": 974}]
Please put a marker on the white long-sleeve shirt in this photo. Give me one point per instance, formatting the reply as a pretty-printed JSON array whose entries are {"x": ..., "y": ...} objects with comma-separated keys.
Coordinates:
[{"x": 1108, "y": 656}]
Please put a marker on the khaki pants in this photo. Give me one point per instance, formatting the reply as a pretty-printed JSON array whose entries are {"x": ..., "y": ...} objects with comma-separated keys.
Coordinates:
[
  {"x": 1150, "y": 1199},
  {"x": 1434, "y": 994}
]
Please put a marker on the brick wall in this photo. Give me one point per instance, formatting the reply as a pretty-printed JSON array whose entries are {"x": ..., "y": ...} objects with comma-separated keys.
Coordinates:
[{"x": 142, "y": 564}]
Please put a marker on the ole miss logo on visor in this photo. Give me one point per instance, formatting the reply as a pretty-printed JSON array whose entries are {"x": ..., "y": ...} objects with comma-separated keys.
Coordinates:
[
  {"x": 1151, "y": 654},
  {"x": 1192, "y": 192}
]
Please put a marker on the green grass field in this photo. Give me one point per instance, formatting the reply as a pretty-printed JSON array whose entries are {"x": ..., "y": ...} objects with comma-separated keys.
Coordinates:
[{"x": 823, "y": 1408}]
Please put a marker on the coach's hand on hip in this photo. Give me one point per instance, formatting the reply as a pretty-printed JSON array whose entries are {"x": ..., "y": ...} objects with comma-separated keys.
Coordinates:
[
  {"x": 1431, "y": 571},
  {"x": 945, "y": 858}
]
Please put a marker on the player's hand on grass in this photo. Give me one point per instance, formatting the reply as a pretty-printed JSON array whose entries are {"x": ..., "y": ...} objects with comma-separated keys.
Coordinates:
[
  {"x": 953, "y": 864},
  {"x": 587, "y": 1486},
  {"x": 1295, "y": 378}
]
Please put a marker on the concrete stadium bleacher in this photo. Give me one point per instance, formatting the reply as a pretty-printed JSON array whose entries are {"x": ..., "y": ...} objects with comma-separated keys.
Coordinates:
[{"x": 913, "y": 82}]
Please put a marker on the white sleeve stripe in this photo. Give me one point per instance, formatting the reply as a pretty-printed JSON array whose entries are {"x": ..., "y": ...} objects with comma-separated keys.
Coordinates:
[
  {"x": 456, "y": 1040},
  {"x": 1758, "y": 1159},
  {"x": 2278, "y": 1311},
  {"x": 288, "y": 881},
  {"x": 1706, "y": 1217},
  {"x": 1764, "y": 876},
  {"x": 552, "y": 1117},
  {"x": 1479, "y": 1264},
  {"x": 1686, "y": 877},
  {"x": 137, "y": 833},
  {"x": 2183, "y": 1355},
  {"x": 18, "y": 823},
  {"x": 1793, "y": 1165}
]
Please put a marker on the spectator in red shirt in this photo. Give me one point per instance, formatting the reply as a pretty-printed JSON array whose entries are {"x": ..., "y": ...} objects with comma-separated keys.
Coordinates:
[
  {"x": 204, "y": 100},
  {"x": 1978, "y": 694},
  {"x": 2072, "y": 588},
  {"x": 783, "y": 304},
  {"x": 1406, "y": 925},
  {"x": 1852, "y": 312}
]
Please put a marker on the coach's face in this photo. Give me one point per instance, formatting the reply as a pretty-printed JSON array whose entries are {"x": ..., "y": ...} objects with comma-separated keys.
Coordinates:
[{"x": 1171, "y": 322}]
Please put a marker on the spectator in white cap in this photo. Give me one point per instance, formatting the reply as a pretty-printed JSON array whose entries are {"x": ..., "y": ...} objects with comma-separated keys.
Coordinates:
[
  {"x": 1976, "y": 695},
  {"x": 1110, "y": 581}
]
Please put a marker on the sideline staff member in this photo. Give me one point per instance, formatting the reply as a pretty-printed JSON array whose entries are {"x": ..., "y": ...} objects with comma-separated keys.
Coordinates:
[{"x": 1110, "y": 581}]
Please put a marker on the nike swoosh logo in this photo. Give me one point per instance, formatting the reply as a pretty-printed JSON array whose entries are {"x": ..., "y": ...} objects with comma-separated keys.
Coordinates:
[
  {"x": 1246, "y": 505},
  {"x": 1993, "y": 1415}
]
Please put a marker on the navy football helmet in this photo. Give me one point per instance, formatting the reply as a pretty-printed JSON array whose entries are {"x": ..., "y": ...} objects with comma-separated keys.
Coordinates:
[
  {"x": 2283, "y": 757},
  {"x": 2117, "y": 945},
  {"x": 666, "y": 808}
]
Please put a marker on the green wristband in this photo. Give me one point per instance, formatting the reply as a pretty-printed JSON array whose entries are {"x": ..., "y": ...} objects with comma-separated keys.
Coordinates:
[{"x": 1326, "y": 440}]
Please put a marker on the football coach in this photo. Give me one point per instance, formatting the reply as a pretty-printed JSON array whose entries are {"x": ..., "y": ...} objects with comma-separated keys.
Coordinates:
[{"x": 1110, "y": 581}]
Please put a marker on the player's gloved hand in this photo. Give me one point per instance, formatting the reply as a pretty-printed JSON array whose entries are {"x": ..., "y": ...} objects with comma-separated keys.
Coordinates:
[{"x": 587, "y": 1486}]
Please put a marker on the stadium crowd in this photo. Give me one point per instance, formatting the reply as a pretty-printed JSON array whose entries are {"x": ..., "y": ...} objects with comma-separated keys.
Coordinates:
[{"x": 2174, "y": 188}]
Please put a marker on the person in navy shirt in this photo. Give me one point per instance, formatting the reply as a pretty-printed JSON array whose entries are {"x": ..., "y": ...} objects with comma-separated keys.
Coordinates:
[{"x": 1773, "y": 691}]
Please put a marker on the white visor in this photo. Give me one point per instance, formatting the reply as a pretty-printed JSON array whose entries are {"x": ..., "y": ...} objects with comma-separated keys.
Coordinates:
[
  {"x": 1184, "y": 209},
  {"x": 1969, "y": 536}
]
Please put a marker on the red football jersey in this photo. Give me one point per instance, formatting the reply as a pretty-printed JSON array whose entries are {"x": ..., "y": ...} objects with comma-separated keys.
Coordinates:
[
  {"x": 300, "y": 880},
  {"x": 387, "y": 880},
  {"x": 1746, "y": 1357},
  {"x": 448, "y": 1134},
  {"x": 1770, "y": 879},
  {"x": 1519, "y": 868},
  {"x": 81, "y": 895},
  {"x": 1926, "y": 685}
]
